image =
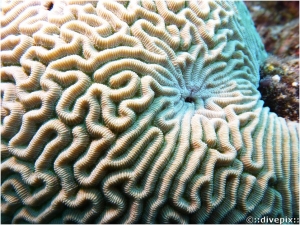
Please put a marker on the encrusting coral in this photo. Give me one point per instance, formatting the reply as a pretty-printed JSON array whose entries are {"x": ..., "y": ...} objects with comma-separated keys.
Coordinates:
[{"x": 139, "y": 112}]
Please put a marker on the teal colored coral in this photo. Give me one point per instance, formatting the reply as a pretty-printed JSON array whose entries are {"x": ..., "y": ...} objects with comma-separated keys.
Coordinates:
[{"x": 139, "y": 112}]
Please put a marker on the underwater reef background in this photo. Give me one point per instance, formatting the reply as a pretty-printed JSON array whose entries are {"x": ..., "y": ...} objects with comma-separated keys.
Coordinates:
[{"x": 277, "y": 22}]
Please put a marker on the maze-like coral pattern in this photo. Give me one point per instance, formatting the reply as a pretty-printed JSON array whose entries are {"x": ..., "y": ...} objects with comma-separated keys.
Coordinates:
[{"x": 139, "y": 112}]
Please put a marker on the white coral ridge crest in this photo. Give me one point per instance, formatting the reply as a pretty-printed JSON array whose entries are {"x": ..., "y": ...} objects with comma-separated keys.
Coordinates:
[{"x": 139, "y": 112}]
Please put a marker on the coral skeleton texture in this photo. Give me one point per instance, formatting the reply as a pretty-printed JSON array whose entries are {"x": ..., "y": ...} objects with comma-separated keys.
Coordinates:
[{"x": 139, "y": 112}]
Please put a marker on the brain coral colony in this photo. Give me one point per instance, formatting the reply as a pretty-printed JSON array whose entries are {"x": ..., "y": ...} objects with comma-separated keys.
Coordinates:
[{"x": 139, "y": 112}]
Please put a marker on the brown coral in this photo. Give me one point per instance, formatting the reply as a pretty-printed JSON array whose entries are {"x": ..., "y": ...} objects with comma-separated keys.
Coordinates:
[{"x": 279, "y": 86}]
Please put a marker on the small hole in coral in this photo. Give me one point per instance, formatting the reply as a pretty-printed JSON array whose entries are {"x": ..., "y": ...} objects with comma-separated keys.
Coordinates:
[
  {"x": 189, "y": 99},
  {"x": 49, "y": 6}
]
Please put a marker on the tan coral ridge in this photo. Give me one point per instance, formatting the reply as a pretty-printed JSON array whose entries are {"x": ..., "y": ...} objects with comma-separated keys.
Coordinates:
[{"x": 139, "y": 112}]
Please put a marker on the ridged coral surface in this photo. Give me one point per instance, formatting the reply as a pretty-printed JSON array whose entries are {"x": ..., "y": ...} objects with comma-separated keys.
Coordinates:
[{"x": 139, "y": 112}]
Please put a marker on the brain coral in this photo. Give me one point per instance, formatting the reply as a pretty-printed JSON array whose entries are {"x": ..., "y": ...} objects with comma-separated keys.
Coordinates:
[{"x": 139, "y": 112}]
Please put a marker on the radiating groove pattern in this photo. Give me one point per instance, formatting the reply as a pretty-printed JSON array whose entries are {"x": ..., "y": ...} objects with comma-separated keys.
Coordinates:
[{"x": 139, "y": 112}]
